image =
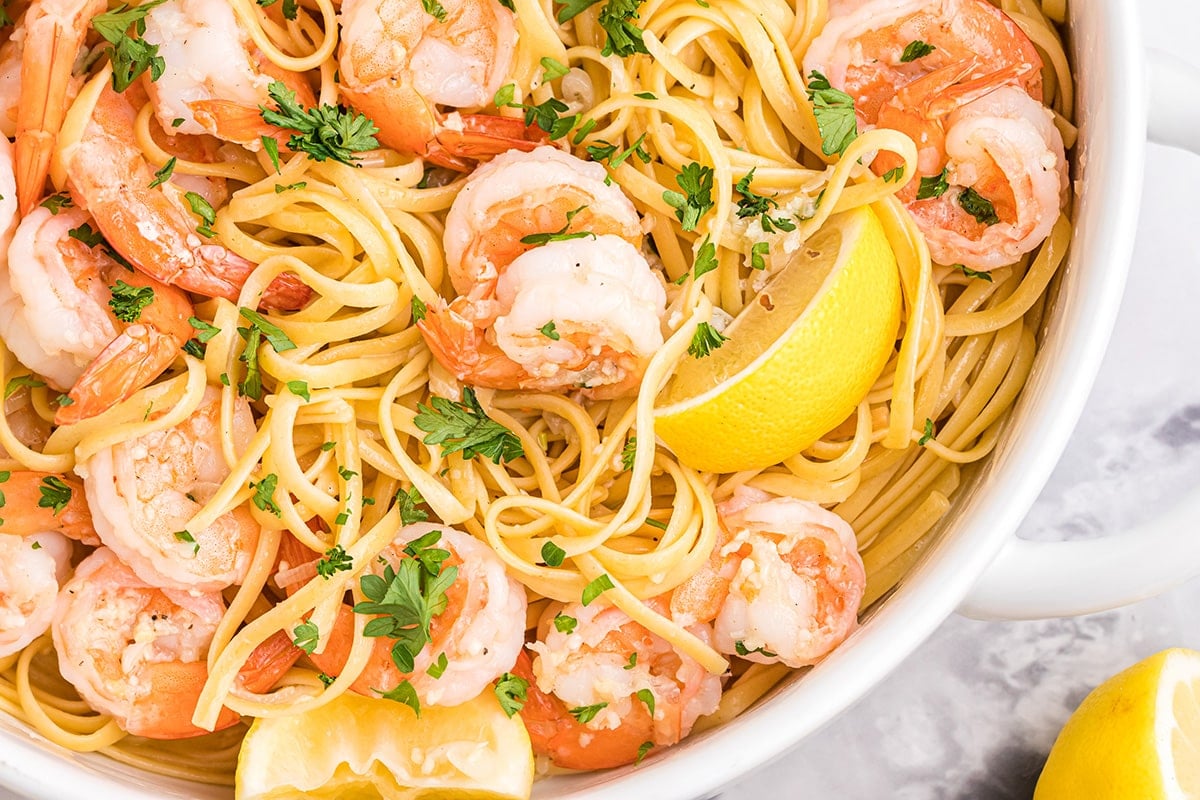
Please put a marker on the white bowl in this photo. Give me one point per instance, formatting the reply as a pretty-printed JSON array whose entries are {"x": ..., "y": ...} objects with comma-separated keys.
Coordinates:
[{"x": 1110, "y": 68}]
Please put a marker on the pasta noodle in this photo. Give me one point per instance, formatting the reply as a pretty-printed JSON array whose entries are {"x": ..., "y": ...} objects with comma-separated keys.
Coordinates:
[{"x": 721, "y": 84}]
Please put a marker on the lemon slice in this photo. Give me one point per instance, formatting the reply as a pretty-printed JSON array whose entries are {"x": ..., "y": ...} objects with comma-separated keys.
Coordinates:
[
  {"x": 1136, "y": 736},
  {"x": 799, "y": 358},
  {"x": 364, "y": 747}
]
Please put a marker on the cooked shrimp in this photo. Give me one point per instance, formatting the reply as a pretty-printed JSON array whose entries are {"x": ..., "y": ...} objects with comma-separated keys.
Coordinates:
[
  {"x": 58, "y": 299},
  {"x": 580, "y": 312},
  {"x": 55, "y": 31},
  {"x": 215, "y": 78},
  {"x": 31, "y": 570},
  {"x": 142, "y": 492},
  {"x": 36, "y": 502},
  {"x": 861, "y": 49},
  {"x": 401, "y": 66},
  {"x": 480, "y": 631},
  {"x": 784, "y": 582},
  {"x": 137, "y": 652},
  {"x": 1005, "y": 149},
  {"x": 152, "y": 225},
  {"x": 610, "y": 665}
]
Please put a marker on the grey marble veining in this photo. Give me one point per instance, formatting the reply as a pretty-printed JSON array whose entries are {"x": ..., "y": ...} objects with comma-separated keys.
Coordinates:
[{"x": 972, "y": 715}]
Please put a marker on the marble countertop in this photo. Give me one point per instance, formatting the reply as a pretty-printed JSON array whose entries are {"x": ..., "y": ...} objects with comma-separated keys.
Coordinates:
[{"x": 972, "y": 715}]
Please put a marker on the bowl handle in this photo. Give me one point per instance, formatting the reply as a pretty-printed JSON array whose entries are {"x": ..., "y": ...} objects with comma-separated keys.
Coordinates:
[{"x": 1037, "y": 580}]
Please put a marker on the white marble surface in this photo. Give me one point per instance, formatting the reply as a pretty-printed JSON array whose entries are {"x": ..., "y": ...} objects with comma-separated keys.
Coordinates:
[{"x": 973, "y": 713}]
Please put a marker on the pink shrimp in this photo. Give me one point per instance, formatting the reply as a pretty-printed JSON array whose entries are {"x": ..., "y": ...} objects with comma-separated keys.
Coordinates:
[
  {"x": 35, "y": 502},
  {"x": 783, "y": 584},
  {"x": 82, "y": 320},
  {"x": 400, "y": 65},
  {"x": 31, "y": 570},
  {"x": 137, "y": 652},
  {"x": 603, "y": 689}
]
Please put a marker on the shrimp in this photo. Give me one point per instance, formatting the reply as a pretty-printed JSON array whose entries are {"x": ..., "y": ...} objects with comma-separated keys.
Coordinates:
[
  {"x": 610, "y": 665},
  {"x": 783, "y": 584},
  {"x": 480, "y": 631},
  {"x": 151, "y": 225},
  {"x": 1004, "y": 150},
  {"x": 400, "y": 65},
  {"x": 861, "y": 49},
  {"x": 215, "y": 78},
  {"x": 54, "y": 34},
  {"x": 58, "y": 299},
  {"x": 137, "y": 652},
  {"x": 31, "y": 570},
  {"x": 142, "y": 492},
  {"x": 581, "y": 311},
  {"x": 37, "y": 502}
]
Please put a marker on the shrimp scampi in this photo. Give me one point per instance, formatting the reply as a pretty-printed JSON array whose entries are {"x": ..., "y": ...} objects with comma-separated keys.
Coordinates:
[{"x": 31, "y": 570}]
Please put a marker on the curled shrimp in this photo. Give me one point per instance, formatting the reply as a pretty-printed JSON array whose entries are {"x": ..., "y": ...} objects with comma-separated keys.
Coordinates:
[
  {"x": 215, "y": 78},
  {"x": 58, "y": 298},
  {"x": 142, "y": 492},
  {"x": 783, "y": 584},
  {"x": 479, "y": 632},
  {"x": 31, "y": 570},
  {"x": 593, "y": 678},
  {"x": 137, "y": 652},
  {"x": 401, "y": 66},
  {"x": 583, "y": 309}
]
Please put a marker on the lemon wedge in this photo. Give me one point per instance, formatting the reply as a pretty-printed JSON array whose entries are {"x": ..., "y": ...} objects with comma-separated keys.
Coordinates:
[
  {"x": 1136, "y": 736},
  {"x": 364, "y": 747},
  {"x": 799, "y": 358}
]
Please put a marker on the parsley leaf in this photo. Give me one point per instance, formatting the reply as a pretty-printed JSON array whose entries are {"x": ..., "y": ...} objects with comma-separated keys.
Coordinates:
[
  {"x": 552, "y": 554},
  {"x": 970, "y": 273},
  {"x": 202, "y": 209},
  {"x": 204, "y": 331},
  {"x": 467, "y": 428},
  {"x": 548, "y": 330},
  {"x": 127, "y": 302},
  {"x": 894, "y": 175},
  {"x": 705, "y": 340},
  {"x": 653, "y": 523},
  {"x": 645, "y": 747},
  {"x": 438, "y": 668},
  {"x": 15, "y": 384},
  {"x": 404, "y": 693},
  {"x": 978, "y": 207},
  {"x": 696, "y": 182},
  {"x": 933, "y": 186},
  {"x": 57, "y": 202},
  {"x": 607, "y": 150},
  {"x": 585, "y": 714},
  {"x": 55, "y": 494},
  {"x": 628, "y": 453},
  {"x": 300, "y": 389},
  {"x": 434, "y": 9},
  {"x": 572, "y": 9},
  {"x": 130, "y": 57},
  {"x": 647, "y": 697},
  {"x": 564, "y": 623},
  {"x": 306, "y": 637},
  {"x": 559, "y": 235},
  {"x": 834, "y": 110},
  {"x": 264, "y": 493},
  {"x": 512, "y": 691},
  {"x": 163, "y": 173},
  {"x": 554, "y": 69},
  {"x": 706, "y": 259},
  {"x": 632, "y": 661},
  {"x": 419, "y": 309},
  {"x": 753, "y": 204},
  {"x": 757, "y": 251},
  {"x": 409, "y": 513},
  {"x": 916, "y": 49},
  {"x": 624, "y": 38},
  {"x": 927, "y": 436},
  {"x": 324, "y": 132},
  {"x": 274, "y": 335},
  {"x": 186, "y": 536},
  {"x": 336, "y": 560},
  {"x": 740, "y": 648},
  {"x": 596, "y": 588}
]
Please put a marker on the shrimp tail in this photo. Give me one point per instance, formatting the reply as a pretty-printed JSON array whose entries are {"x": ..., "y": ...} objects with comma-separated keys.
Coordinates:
[
  {"x": 175, "y": 685},
  {"x": 53, "y": 38},
  {"x": 463, "y": 348},
  {"x": 130, "y": 362},
  {"x": 235, "y": 122},
  {"x": 268, "y": 662},
  {"x": 481, "y": 136},
  {"x": 37, "y": 502}
]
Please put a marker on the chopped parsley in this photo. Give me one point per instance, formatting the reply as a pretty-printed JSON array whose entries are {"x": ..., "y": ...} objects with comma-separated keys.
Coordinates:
[
  {"x": 585, "y": 714},
  {"x": 405, "y": 694},
  {"x": 740, "y": 648},
  {"x": 512, "y": 691},
  {"x": 434, "y": 9},
  {"x": 978, "y": 207},
  {"x": 438, "y": 668},
  {"x": 564, "y": 623},
  {"x": 300, "y": 389},
  {"x": 916, "y": 49},
  {"x": 554, "y": 69},
  {"x": 628, "y": 453},
  {"x": 419, "y": 309},
  {"x": 647, "y": 697},
  {"x": 834, "y": 111},
  {"x": 646, "y": 747},
  {"x": 624, "y": 38},
  {"x": 305, "y": 636},
  {"x": 933, "y": 186},
  {"x": 757, "y": 252},
  {"x": 596, "y": 588},
  {"x": 552, "y": 554},
  {"x": 603, "y": 150},
  {"x": 130, "y": 57},
  {"x": 264, "y": 493},
  {"x": 280, "y": 188},
  {"x": 271, "y": 148},
  {"x": 705, "y": 340},
  {"x": 548, "y": 330},
  {"x": 753, "y": 204},
  {"x": 706, "y": 259},
  {"x": 467, "y": 428},
  {"x": 21, "y": 381},
  {"x": 894, "y": 175},
  {"x": 127, "y": 302},
  {"x": 653, "y": 523},
  {"x": 204, "y": 210},
  {"x": 408, "y": 500},
  {"x": 336, "y": 560},
  {"x": 695, "y": 201},
  {"x": 632, "y": 661},
  {"x": 186, "y": 536},
  {"x": 163, "y": 173},
  {"x": 55, "y": 494},
  {"x": 970, "y": 273},
  {"x": 57, "y": 202},
  {"x": 324, "y": 132},
  {"x": 559, "y": 235},
  {"x": 927, "y": 436}
]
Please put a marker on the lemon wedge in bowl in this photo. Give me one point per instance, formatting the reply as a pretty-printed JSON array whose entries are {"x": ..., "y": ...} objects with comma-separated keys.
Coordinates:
[
  {"x": 1137, "y": 735},
  {"x": 798, "y": 359},
  {"x": 365, "y": 747}
]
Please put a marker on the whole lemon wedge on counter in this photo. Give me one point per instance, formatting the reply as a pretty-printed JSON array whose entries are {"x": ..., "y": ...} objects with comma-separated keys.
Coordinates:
[
  {"x": 1136, "y": 737},
  {"x": 363, "y": 747},
  {"x": 799, "y": 358}
]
